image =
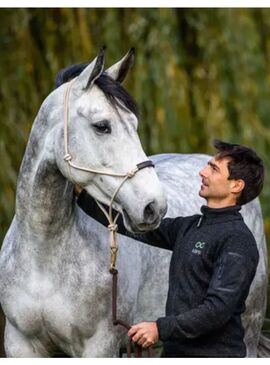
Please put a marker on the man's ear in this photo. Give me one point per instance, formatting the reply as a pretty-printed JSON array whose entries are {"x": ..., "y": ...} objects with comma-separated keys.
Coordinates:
[{"x": 238, "y": 186}]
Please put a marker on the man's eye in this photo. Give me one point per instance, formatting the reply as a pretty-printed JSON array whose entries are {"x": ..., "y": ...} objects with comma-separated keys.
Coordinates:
[{"x": 102, "y": 127}]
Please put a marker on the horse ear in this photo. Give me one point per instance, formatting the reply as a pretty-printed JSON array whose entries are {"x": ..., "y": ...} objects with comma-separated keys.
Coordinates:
[
  {"x": 119, "y": 70},
  {"x": 92, "y": 71}
]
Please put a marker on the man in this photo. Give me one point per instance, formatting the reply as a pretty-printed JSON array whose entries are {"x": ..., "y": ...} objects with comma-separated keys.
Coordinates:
[{"x": 214, "y": 260}]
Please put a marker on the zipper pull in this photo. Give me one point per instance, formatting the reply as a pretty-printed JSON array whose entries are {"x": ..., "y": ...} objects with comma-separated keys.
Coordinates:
[{"x": 200, "y": 221}]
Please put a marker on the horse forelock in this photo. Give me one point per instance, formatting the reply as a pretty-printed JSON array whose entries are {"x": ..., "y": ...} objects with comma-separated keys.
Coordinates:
[{"x": 113, "y": 90}]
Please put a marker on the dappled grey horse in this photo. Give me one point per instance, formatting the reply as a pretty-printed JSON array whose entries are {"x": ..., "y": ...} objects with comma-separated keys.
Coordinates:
[{"x": 55, "y": 285}]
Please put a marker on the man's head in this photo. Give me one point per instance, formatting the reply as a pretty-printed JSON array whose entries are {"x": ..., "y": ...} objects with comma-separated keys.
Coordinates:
[{"x": 233, "y": 176}]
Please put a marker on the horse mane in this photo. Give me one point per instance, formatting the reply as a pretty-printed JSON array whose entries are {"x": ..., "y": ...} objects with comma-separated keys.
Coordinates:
[{"x": 113, "y": 90}]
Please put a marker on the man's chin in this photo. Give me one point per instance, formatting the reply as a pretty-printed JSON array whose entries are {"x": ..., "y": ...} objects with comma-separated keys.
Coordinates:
[{"x": 202, "y": 194}]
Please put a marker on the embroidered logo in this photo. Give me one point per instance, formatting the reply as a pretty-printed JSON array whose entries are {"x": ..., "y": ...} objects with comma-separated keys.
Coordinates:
[{"x": 198, "y": 247}]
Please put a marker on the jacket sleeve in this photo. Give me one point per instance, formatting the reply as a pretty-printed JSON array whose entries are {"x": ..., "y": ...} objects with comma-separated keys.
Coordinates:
[
  {"x": 232, "y": 276},
  {"x": 163, "y": 237}
]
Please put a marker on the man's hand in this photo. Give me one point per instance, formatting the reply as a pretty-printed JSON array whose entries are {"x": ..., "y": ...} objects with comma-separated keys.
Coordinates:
[{"x": 144, "y": 334}]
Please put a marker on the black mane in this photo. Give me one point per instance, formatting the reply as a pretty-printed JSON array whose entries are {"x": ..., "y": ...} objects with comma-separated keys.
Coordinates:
[{"x": 112, "y": 89}]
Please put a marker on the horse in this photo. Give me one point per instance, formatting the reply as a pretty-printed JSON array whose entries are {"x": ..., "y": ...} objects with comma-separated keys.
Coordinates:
[
  {"x": 55, "y": 289},
  {"x": 55, "y": 283}
]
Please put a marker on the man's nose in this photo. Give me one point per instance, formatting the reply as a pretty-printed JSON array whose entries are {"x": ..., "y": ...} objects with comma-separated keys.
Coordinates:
[{"x": 202, "y": 172}]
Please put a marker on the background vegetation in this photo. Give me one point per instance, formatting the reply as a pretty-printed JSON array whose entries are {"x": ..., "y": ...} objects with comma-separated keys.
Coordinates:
[{"x": 199, "y": 74}]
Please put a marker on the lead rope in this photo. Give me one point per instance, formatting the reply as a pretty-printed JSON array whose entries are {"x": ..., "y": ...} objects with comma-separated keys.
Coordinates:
[
  {"x": 112, "y": 221},
  {"x": 114, "y": 272}
]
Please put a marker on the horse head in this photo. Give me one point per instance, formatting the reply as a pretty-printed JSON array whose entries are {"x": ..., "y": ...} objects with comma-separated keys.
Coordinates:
[{"x": 102, "y": 136}]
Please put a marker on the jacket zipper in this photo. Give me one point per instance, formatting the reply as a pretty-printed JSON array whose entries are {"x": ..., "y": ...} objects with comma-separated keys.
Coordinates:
[{"x": 200, "y": 221}]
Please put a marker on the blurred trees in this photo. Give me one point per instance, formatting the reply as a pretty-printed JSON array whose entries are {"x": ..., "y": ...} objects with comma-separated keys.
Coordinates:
[{"x": 199, "y": 74}]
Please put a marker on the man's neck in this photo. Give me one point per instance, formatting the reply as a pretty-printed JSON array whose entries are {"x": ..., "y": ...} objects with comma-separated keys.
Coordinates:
[{"x": 221, "y": 204}]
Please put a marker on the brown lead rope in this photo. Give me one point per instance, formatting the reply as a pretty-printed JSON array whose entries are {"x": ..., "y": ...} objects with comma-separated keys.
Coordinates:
[
  {"x": 112, "y": 222},
  {"x": 138, "y": 348},
  {"x": 114, "y": 272}
]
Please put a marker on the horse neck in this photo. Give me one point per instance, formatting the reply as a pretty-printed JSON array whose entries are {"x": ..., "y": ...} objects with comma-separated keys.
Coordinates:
[{"x": 44, "y": 200}]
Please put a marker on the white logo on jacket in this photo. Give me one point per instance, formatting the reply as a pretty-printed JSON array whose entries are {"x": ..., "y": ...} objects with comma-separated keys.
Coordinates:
[{"x": 198, "y": 247}]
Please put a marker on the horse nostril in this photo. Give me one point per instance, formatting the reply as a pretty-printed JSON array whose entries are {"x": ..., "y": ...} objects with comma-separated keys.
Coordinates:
[{"x": 150, "y": 212}]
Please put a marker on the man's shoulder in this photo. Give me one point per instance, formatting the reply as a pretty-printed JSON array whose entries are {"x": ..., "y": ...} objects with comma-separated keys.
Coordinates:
[
  {"x": 239, "y": 229},
  {"x": 239, "y": 237}
]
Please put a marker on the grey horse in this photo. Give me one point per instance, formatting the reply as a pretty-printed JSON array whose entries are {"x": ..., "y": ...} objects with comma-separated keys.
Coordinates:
[{"x": 55, "y": 284}]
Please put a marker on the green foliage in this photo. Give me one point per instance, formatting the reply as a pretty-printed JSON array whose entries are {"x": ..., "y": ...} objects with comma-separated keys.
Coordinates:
[{"x": 199, "y": 74}]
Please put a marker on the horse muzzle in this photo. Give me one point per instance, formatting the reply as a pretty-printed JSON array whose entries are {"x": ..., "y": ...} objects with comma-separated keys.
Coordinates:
[{"x": 149, "y": 219}]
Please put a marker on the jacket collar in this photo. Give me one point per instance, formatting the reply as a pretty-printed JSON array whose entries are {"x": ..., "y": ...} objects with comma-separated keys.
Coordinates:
[
  {"x": 216, "y": 211},
  {"x": 219, "y": 215}
]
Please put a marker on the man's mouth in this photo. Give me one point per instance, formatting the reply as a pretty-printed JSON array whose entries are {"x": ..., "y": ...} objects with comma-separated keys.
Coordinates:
[{"x": 204, "y": 185}]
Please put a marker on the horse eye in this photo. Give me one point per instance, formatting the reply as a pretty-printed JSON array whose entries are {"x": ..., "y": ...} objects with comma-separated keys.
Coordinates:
[{"x": 102, "y": 127}]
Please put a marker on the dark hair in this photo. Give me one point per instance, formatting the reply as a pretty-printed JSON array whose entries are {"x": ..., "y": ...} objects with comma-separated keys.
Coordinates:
[
  {"x": 244, "y": 164},
  {"x": 113, "y": 90}
]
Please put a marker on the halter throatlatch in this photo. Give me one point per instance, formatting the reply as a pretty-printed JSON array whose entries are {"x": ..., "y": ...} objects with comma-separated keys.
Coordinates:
[{"x": 112, "y": 221}]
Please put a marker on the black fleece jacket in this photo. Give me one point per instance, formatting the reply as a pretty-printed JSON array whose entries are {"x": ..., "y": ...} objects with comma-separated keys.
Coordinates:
[{"x": 214, "y": 260}]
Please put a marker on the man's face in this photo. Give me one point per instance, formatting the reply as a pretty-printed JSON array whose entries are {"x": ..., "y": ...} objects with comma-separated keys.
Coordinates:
[{"x": 215, "y": 184}]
